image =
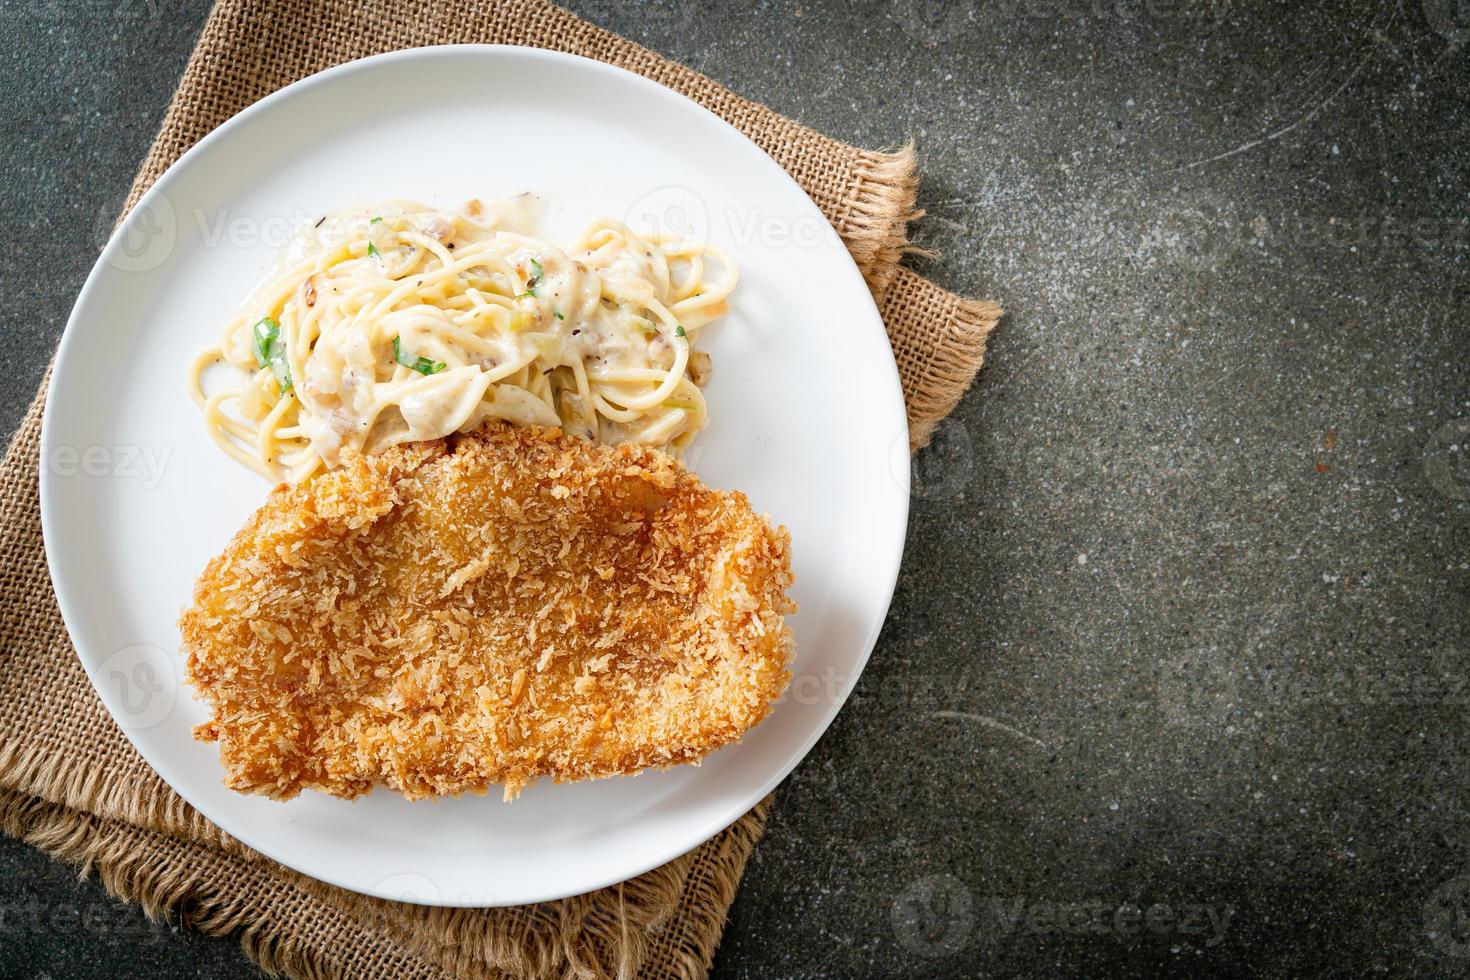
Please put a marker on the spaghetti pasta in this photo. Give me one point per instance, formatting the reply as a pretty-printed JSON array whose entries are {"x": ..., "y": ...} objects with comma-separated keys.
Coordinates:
[{"x": 398, "y": 322}]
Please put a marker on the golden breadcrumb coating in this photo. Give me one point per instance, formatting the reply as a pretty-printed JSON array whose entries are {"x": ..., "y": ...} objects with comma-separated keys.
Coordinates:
[{"x": 490, "y": 609}]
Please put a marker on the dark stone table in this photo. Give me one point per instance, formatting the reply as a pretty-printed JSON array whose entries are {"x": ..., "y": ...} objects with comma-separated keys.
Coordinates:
[{"x": 1177, "y": 672}]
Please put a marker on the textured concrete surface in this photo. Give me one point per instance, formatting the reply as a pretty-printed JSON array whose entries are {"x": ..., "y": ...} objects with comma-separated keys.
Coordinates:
[{"x": 1177, "y": 673}]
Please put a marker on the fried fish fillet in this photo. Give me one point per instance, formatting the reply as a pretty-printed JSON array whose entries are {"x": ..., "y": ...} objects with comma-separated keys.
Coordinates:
[{"x": 500, "y": 607}]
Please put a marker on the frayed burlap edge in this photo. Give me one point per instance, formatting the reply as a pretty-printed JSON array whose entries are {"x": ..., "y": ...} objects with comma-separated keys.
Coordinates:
[
  {"x": 125, "y": 860},
  {"x": 110, "y": 794},
  {"x": 145, "y": 844},
  {"x": 957, "y": 360},
  {"x": 936, "y": 372},
  {"x": 885, "y": 192},
  {"x": 140, "y": 823},
  {"x": 689, "y": 949},
  {"x": 193, "y": 888}
]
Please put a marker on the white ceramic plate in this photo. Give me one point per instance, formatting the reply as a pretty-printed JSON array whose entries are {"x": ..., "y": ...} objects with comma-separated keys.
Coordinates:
[{"x": 808, "y": 420}]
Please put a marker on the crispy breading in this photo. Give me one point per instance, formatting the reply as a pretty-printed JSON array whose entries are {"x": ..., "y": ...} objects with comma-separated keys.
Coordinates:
[{"x": 499, "y": 607}]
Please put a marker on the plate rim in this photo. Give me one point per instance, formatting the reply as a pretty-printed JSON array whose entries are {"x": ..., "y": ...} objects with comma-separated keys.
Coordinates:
[{"x": 72, "y": 607}]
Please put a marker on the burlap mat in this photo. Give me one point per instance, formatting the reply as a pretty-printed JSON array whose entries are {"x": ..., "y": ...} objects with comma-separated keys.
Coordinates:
[{"x": 72, "y": 784}]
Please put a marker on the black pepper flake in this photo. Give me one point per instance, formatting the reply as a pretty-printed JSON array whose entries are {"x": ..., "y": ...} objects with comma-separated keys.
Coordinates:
[{"x": 319, "y": 221}]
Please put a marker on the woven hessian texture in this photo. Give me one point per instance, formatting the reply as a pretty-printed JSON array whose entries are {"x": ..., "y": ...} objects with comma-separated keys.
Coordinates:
[{"x": 71, "y": 783}]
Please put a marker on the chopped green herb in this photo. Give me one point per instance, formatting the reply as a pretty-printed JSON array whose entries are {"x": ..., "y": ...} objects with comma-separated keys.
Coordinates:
[
  {"x": 532, "y": 282},
  {"x": 679, "y": 330},
  {"x": 372, "y": 251},
  {"x": 377, "y": 220},
  {"x": 420, "y": 364},
  {"x": 270, "y": 350},
  {"x": 557, "y": 315},
  {"x": 263, "y": 334}
]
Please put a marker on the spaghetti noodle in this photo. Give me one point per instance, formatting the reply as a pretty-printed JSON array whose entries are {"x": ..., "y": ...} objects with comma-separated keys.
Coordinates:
[{"x": 398, "y": 323}]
